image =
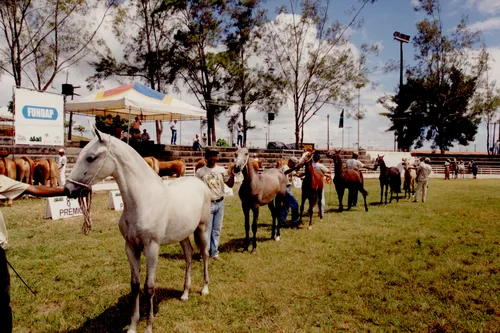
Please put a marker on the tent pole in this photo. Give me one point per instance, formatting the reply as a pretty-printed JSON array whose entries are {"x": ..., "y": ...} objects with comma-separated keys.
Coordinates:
[{"x": 128, "y": 126}]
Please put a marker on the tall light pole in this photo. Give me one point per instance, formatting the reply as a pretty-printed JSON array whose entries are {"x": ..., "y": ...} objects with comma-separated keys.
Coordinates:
[
  {"x": 402, "y": 38},
  {"x": 348, "y": 136}
]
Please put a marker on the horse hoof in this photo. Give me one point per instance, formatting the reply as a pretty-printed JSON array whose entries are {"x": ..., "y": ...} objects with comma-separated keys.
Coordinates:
[
  {"x": 277, "y": 239},
  {"x": 131, "y": 331},
  {"x": 309, "y": 227},
  {"x": 184, "y": 297},
  {"x": 204, "y": 291}
]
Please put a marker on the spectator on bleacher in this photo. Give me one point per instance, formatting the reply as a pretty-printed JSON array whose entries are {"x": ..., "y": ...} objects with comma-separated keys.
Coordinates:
[
  {"x": 196, "y": 143},
  {"x": 204, "y": 139},
  {"x": 239, "y": 138},
  {"x": 117, "y": 124},
  {"x": 496, "y": 148},
  {"x": 108, "y": 124},
  {"x": 145, "y": 136},
  {"x": 137, "y": 124},
  {"x": 423, "y": 172},
  {"x": 173, "y": 128}
]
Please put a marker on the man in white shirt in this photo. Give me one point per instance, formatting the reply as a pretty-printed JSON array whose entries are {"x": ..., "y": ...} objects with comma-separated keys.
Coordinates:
[
  {"x": 63, "y": 160},
  {"x": 213, "y": 175},
  {"x": 423, "y": 172},
  {"x": 173, "y": 128},
  {"x": 11, "y": 189},
  {"x": 355, "y": 164}
]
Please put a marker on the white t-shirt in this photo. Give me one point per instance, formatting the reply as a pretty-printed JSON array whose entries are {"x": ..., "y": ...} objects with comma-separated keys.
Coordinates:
[
  {"x": 63, "y": 161},
  {"x": 9, "y": 189},
  {"x": 239, "y": 130},
  {"x": 214, "y": 178},
  {"x": 354, "y": 164}
]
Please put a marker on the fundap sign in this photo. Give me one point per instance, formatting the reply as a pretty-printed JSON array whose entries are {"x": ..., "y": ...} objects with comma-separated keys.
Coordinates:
[{"x": 39, "y": 118}]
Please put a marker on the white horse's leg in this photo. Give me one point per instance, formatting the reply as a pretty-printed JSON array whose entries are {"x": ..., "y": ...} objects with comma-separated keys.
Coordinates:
[
  {"x": 188, "y": 253},
  {"x": 202, "y": 239},
  {"x": 151, "y": 253},
  {"x": 134, "y": 259}
]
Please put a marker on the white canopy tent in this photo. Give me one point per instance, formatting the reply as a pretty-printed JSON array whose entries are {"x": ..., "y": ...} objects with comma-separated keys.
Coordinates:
[{"x": 135, "y": 99}]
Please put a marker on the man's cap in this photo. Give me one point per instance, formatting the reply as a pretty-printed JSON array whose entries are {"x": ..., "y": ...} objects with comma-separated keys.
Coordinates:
[
  {"x": 211, "y": 152},
  {"x": 354, "y": 154},
  {"x": 427, "y": 160},
  {"x": 61, "y": 150}
]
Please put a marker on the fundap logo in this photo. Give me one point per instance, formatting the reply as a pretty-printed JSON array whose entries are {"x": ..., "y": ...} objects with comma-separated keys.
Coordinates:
[{"x": 39, "y": 112}]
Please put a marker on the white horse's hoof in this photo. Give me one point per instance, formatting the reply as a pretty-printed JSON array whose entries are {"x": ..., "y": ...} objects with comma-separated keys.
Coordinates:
[
  {"x": 184, "y": 297},
  {"x": 204, "y": 291},
  {"x": 131, "y": 331},
  {"x": 278, "y": 238},
  {"x": 310, "y": 227}
]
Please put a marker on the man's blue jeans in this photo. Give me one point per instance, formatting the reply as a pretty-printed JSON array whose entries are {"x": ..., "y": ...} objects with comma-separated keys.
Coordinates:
[
  {"x": 174, "y": 137},
  {"x": 290, "y": 202},
  {"x": 216, "y": 217}
]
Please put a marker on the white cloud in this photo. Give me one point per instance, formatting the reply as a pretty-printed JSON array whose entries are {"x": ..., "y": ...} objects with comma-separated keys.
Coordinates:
[
  {"x": 489, "y": 24},
  {"x": 415, "y": 3},
  {"x": 488, "y": 7}
]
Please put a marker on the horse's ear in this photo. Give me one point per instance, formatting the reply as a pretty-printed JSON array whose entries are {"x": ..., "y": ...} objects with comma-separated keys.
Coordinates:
[{"x": 95, "y": 131}]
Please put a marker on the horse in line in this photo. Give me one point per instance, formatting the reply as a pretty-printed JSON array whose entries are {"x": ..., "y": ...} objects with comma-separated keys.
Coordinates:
[
  {"x": 347, "y": 179},
  {"x": 312, "y": 187},
  {"x": 389, "y": 177},
  {"x": 154, "y": 213},
  {"x": 410, "y": 176},
  {"x": 267, "y": 188}
]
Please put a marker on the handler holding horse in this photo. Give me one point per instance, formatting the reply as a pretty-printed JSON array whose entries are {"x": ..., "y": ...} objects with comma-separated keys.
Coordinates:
[
  {"x": 423, "y": 172},
  {"x": 213, "y": 175}
]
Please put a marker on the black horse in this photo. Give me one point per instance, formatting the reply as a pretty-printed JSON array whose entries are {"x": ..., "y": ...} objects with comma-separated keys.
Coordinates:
[{"x": 388, "y": 177}]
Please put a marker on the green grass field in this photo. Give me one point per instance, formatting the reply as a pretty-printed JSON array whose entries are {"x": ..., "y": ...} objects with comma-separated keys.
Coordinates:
[{"x": 432, "y": 267}]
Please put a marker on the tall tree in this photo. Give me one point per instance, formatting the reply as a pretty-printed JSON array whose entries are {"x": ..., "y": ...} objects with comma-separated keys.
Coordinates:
[
  {"x": 44, "y": 37},
  {"x": 144, "y": 55},
  {"x": 249, "y": 82},
  {"x": 447, "y": 70},
  {"x": 194, "y": 60},
  {"x": 315, "y": 63}
]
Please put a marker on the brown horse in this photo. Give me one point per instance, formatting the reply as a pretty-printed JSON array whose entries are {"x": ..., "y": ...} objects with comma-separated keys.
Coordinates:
[
  {"x": 153, "y": 163},
  {"x": 389, "y": 177},
  {"x": 312, "y": 187},
  {"x": 171, "y": 168},
  {"x": 8, "y": 168},
  {"x": 46, "y": 172},
  {"x": 267, "y": 188},
  {"x": 347, "y": 179},
  {"x": 201, "y": 163},
  {"x": 25, "y": 168}
]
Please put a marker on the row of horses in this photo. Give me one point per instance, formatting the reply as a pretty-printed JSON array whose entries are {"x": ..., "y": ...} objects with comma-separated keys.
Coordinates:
[
  {"x": 29, "y": 171},
  {"x": 185, "y": 205}
]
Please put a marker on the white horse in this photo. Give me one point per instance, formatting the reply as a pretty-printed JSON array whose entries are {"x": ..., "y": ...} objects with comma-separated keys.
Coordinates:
[{"x": 154, "y": 213}]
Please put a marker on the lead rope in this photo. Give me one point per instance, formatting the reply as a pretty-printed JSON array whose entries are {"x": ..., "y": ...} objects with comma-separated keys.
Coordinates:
[{"x": 85, "y": 201}]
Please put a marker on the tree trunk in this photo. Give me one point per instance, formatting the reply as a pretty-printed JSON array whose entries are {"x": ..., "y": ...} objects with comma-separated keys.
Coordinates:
[
  {"x": 244, "y": 116},
  {"x": 488, "y": 137},
  {"x": 159, "y": 130}
]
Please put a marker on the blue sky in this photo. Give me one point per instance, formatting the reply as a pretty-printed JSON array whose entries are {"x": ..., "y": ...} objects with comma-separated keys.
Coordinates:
[{"x": 380, "y": 21}]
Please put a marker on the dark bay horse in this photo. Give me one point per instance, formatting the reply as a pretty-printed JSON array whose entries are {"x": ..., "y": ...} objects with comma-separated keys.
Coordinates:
[
  {"x": 312, "y": 187},
  {"x": 347, "y": 179},
  {"x": 389, "y": 177},
  {"x": 267, "y": 188}
]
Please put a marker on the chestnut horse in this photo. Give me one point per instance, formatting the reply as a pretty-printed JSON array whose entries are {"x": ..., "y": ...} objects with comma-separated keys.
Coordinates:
[
  {"x": 25, "y": 169},
  {"x": 347, "y": 179},
  {"x": 410, "y": 175},
  {"x": 153, "y": 163},
  {"x": 267, "y": 188},
  {"x": 46, "y": 172},
  {"x": 389, "y": 176},
  {"x": 171, "y": 168},
  {"x": 8, "y": 167},
  {"x": 312, "y": 187}
]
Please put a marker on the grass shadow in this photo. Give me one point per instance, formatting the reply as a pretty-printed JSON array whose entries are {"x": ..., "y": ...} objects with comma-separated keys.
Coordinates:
[
  {"x": 173, "y": 256},
  {"x": 117, "y": 317},
  {"x": 237, "y": 244}
]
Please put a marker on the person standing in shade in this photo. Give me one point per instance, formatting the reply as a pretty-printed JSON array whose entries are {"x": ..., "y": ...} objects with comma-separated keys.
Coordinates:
[
  {"x": 289, "y": 202},
  {"x": 11, "y": 189},
  {"x": 196, "y": 143},
  {"x": 423, "y": 172},
  {"x": 108, "y": 124},
  {"x": 239, "y": 138},
  {"x": 61, "y": 164},
  {"x": 213, "y": 175},
  {"x": 447, "y": 169},
  {"x": 173, "y": 128}
]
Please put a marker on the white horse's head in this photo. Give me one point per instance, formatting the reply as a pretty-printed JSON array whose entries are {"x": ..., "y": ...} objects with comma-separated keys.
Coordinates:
[
  {"x": 92, "y": 165},
  {"x": 241, "y": 159}
]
